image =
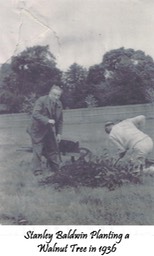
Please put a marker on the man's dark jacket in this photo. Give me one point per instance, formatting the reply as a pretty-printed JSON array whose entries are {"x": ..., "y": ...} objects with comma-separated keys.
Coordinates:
[{"x": 43, "y": 111}]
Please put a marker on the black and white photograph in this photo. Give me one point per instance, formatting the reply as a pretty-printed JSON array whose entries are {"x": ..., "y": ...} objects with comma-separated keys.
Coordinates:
[{"x": 77, "y": 112}]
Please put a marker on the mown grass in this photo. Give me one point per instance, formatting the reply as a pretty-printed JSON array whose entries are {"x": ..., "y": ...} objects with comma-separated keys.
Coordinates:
[{"x": 24, "y": 201}]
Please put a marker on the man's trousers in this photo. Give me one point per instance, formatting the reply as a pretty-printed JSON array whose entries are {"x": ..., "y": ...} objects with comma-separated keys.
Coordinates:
[
  {"x": 141, "y": 150},
  {"x": 48, "y": 148}
]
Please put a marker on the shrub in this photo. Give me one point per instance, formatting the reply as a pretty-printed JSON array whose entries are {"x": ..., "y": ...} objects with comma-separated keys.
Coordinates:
[
  {"x": 28, "y": 103},
  {"x": 13, "y": 102},
  {"x": 91, "y": 101},
  {"x": 95, "y": 172}
]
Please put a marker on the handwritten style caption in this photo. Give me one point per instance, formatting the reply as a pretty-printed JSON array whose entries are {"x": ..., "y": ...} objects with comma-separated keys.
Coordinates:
[{"x": 77, "y": 242}]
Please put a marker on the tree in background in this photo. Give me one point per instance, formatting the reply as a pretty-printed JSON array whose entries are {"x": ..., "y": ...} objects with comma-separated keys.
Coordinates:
[
  {"x": 96, "y": 83},
  {"x": 13, "y": 103},
  {"x": 75, "y": 87},
  {"x": 96, "y": 74},
  {"x": 131, "y": 74},
  {"x": 33, "y": 71},
  {"x": 124, "y": 76},
  {"x": 5, "y": 71},
  {"x": 28, "y": 103},
  {"x": 90, "y": 101}
]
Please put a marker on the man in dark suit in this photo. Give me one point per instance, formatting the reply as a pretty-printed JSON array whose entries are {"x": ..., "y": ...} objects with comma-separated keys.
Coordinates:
[{"x": 46, "y": 129}]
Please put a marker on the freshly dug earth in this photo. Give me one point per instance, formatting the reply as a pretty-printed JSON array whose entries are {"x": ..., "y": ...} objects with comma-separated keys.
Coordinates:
[{"x": 93, "y": 173}]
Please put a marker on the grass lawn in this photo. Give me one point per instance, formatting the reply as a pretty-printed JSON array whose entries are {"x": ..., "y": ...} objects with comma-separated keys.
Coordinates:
[{"x": 24, "y": 201}]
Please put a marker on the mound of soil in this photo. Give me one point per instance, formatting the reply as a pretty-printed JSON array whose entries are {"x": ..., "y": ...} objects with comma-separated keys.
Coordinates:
[{"x": 98, "y": 173}]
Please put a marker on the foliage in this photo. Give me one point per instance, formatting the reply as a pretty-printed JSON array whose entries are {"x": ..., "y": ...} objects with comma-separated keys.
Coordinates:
[
  {"x": 96, "y": 74},
  {"x": 124, "y": 76},
  {"x": 28, "y": 103},
  {"x": 132, "y": 74},
  {"x": 91, "y": 101},
  {"x": 96, "y": 172},
  {"x": 12, "y": 101},
  {"x": 74, "y": 85},
  {"x": 5, "y": 71},
  {"x": 11, "y": 83},
  {"x": 150, "y": 94},
  {"x": 75, "y": 76},
  {"x": 33, "y": 71}
]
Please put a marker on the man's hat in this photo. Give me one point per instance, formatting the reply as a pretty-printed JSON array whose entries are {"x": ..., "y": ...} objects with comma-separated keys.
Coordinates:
[{"x": 108, "y": 123}]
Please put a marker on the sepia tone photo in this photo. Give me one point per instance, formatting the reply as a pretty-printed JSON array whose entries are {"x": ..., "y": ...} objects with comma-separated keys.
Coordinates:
[{"x": 77, "y": 112}]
